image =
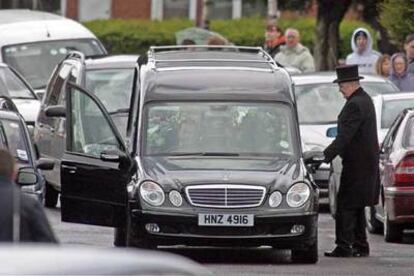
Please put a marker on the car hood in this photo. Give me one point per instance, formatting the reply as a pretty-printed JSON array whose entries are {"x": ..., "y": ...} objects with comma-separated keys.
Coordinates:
[
  {"x": 29, "y": 108},
  {"x": 314, "y": 136},
  {"x": 179, "y": 172}
]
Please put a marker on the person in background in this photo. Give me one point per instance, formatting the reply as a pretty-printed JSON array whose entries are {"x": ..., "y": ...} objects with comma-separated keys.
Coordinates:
[
  {"x": 22, "y": 217},
  {"x": 399, "y": 75},
  {"x": 216, "y": 40},
  {"x": 274, "y": 38},
  {"x": 409, "y": 50},
  {"x": 383, "y": 66},
  {"x": 363, "y": 55},
  {"x": 294, "y": 54}
]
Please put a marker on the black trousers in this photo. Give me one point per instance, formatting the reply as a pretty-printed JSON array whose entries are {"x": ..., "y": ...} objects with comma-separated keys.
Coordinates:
[{"x": 350, "y": 229}]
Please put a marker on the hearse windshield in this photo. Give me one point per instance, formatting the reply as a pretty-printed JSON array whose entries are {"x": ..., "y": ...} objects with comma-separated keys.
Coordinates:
[{"x": 218, "y": 129}]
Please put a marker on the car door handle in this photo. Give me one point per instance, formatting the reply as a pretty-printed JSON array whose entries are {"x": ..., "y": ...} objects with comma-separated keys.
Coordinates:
[{"x": 71, "y": 169}]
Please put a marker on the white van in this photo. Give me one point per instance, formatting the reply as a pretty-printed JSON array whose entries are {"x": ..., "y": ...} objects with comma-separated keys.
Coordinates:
[{"x": 34, "y": 42}]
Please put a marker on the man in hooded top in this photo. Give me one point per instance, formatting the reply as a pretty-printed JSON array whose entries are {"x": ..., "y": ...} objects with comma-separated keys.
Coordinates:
[{"x": 363, "y": 55}]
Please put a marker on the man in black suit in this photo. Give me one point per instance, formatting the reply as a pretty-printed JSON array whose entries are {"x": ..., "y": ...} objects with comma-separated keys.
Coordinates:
[
  {"x": 357, "y": 144},
  {"x": 22, "y": 217}
]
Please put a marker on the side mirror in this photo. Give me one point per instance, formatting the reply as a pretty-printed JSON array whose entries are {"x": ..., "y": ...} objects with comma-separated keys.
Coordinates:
[
  {"x": 332, "y": 132},
  {"x": 25, "y": 178},
  {"x": 45, "y": 164},
  {"x": 55, "y": 111}
]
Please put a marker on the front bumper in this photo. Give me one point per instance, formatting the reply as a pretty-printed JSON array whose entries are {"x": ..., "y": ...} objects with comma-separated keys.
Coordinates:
[
  {"x": 183, "y": 229},
  {"x": 400, "y": 204}
]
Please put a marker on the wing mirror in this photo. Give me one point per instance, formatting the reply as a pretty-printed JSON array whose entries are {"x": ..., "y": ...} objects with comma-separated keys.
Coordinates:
[
  {"x": 25, "y": 178},
  {"x": 45, "y": 164},
  {"x": 40, "y": 94},
  {"x": 55, "y": 111},
  {"x": 332, "y": 132}
]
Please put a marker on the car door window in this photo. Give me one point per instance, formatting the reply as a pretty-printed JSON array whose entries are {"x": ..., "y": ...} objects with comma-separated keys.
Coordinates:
[
  {"x": 91, "y": 132},
  {"x": 390, "y": 137}
]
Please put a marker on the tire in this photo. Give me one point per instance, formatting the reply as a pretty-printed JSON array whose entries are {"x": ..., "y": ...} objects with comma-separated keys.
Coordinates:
[
  {"x": 120, "y": 236},
  {"x": 51, "y": 196},
  {"x": 306, "y": 256},
  {"x": 332, "y": 196},
  {"x": 374, "y": 226},
  {"x": 135, "y": 236},
  {"x": 392, "y": 232}
]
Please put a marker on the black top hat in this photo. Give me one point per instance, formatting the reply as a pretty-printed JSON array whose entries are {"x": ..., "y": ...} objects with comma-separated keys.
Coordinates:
[{"x": 347, "y": 73}]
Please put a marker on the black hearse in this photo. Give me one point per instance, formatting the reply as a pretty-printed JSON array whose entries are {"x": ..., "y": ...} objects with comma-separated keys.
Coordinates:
[{"x": 212, "y": 156}]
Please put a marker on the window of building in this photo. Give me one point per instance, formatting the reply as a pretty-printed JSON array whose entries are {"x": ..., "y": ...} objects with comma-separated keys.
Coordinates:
[
  {"x": 221, "y": 9},
  {"x": 176, "y": 8},
  {"x": 254, "y": 8}
]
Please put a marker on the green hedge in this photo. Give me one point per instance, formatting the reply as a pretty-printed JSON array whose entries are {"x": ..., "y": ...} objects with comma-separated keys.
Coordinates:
[{"x": 135, "y": 36}]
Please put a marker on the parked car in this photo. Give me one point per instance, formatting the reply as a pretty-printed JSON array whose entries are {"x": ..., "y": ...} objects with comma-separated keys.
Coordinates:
[
  {"x": 387, "y": 107},
  {"x": 319, "y": 103},
  {"x": 213, "y": 157},
  {"x": 30, "y": 260},
  {"x": 395, "y": 211},
  {"x": 113, "y": 80},
  {"x": 13, "y": 86},
  {"x": 15, "y": 137},
  {"x": 33, "y": 42}
]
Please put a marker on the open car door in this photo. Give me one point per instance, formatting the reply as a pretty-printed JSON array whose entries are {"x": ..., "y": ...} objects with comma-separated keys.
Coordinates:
[{"x": 96, "y": 165}]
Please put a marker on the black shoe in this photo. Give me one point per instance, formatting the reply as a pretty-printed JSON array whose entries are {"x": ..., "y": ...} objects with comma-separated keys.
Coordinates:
[
  {"x": 360, "y": 252},
  {"x": 339, "y": 252}
]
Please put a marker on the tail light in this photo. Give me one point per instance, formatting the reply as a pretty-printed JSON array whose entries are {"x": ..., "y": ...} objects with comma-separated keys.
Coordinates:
[{"x": 404, "y": 172}]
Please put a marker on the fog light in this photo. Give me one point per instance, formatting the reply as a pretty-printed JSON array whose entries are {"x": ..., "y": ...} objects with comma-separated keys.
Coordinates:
[
  {"x": 152, "y": 227},
  {"x": 297, "y": 229},
  {"x": 175, "y": 198}
]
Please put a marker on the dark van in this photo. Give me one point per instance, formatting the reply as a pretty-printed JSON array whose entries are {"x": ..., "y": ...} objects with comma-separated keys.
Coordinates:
[{"x": 213, "y": 156}]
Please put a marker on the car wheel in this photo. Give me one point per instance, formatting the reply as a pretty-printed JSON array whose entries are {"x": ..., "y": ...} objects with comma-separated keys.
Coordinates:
[
  {"x": 135, "y": 236},
  {"x": 392, "y": 232},
  {"x": 120, "y": 236},
  {"x": 51, "y": 196},
  {"x": 374, "y": 226},
  {"x": 306, "y": 256},
  {"x": 332, "y": 195}
]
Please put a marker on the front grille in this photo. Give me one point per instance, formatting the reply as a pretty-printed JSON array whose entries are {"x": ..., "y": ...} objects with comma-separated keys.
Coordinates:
[{"x": 225, "y": 196}]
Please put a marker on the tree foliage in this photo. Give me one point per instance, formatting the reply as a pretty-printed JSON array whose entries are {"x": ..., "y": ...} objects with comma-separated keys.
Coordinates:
[{"x": 397, "y": 16}]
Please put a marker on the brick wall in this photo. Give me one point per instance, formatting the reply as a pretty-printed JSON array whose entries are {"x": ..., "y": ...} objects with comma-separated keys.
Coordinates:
[{"x": 129, "y": 9}]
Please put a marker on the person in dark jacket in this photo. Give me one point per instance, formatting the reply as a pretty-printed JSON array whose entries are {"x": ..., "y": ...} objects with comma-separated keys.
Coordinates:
[
  {"x": 21, "y": 217},
  {"x": 357, "y": 144}
]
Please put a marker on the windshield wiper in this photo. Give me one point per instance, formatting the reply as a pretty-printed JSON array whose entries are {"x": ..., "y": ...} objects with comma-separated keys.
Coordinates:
[
  {"x": 204, "y": 154},
  {"x": 121, "y": 110}
]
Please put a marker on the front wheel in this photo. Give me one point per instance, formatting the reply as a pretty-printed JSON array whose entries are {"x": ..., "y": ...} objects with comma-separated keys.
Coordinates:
[
  {"x": 51, "y": 196},
  {"x": 306, "y": 256},
  {"x": 374, "y": 226},
  {"x": 392, "y": 232}
]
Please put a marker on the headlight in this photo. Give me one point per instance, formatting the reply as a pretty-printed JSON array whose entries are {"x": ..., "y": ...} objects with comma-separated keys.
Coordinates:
[
  {"x": 176, "y": 198},
  {"x": 297, "y": 195},
  {"x": 152, "y": 193},
  {"x": 275, "y": 199}
]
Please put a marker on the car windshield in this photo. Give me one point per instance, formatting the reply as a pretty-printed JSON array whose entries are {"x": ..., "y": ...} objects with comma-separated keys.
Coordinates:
[
  {"x": 391, "y": 108},
  {"x": 321, "y": 103},
  {"x": 11, "y": 136},
  {"x": 36, "y": 61},
  {"x": 219, "y": 129},
  {"x": 12, "y": 86},
  {"x": 113, "y": 87}
]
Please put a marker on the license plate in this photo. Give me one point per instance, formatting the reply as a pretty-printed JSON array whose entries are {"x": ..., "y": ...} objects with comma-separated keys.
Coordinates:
[{"x": 225, "y": 220}]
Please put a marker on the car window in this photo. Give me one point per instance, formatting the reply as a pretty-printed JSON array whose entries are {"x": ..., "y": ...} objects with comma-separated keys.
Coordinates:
[
  {"x": 228, "y": 128},
  {"x": 12, "y": 86},
  {"x": 35, "y": 61},
  {"x": 113, "y": 87},
  {"x": 56, "y": 90},
  {"x": 91, "y": 134},
  {"x": 321, "y": 103},
  {"x": 391, "y": 109},
  {"x": 13, "y": 139},
  {"x": 392, "y": 132}
]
